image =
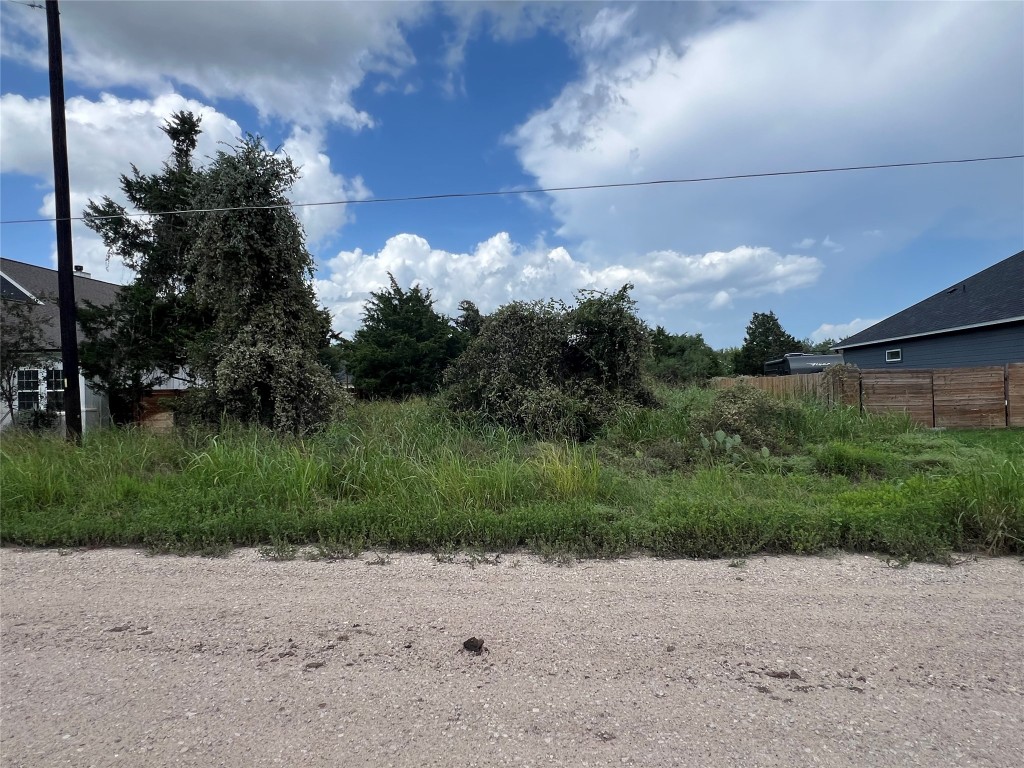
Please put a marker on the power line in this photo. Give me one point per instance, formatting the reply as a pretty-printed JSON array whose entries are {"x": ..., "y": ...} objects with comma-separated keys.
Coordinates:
[{"x": 539, "y": 190}]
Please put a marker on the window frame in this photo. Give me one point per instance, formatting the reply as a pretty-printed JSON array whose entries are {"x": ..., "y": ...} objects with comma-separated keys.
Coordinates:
[
  {"x": 30, "y": 393},
  {"x": 55, "y": 375},
  {"x": 897, "y": 359}
]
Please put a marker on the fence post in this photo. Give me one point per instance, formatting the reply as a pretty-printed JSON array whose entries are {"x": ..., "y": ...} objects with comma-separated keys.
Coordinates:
[{"x": 1006, "y": 392}]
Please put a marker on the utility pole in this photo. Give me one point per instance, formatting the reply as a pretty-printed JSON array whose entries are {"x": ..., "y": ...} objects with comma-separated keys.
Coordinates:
[{"x": 65, "y": 261}]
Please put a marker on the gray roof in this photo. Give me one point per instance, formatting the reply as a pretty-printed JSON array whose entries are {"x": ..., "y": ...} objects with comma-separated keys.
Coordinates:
[
  {"x": 41, "y": 283},
  {"x": 993, "y": 296}
]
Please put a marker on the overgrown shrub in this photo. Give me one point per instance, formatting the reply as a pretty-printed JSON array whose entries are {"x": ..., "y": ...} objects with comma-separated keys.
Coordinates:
[
  {"x": 753, "y": 415},
  {"x": 554, "y": 371}
]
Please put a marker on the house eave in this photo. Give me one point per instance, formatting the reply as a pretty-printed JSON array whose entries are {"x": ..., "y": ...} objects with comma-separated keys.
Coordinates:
[
  {"x": 873, "y": 342},
  {"x": 21, "y": 288}
]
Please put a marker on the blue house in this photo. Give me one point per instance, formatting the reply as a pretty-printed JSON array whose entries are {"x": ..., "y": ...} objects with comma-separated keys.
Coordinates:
[{"x": 978, "y": 321}]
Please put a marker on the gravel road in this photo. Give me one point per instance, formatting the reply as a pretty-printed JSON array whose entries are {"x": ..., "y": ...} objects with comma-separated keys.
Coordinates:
[{"x": 113, "y": 658}]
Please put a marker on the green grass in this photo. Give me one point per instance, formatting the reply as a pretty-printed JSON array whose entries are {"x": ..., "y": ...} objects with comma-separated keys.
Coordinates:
[{"x": 410, "y": 477}]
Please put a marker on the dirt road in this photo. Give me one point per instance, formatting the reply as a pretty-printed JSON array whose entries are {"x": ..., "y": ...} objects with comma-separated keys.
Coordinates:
[{"x": 113, "y": 658}]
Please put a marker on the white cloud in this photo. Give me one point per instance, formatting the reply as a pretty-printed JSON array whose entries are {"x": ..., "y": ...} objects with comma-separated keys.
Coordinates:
[
  {"x": 104, "y": 138},
  {"x": 498, "y": 271},
  {"x": 872, "y": 82},
  {"x": 98, "y": 133},
  {"x": 319, "y": 183},
  {"x": 807, "y": 242},
  {"x": 300, "y": 62},
  {"x": 831, "y": 244},
  {"x": 840, "y": 331}
]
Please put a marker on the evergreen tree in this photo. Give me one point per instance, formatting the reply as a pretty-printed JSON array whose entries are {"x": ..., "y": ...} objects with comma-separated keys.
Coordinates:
[
  {"x": 403, "y": 346},
  {"x": 223, "y": 298},
  {"x": 138, "y": 341},
  {"x": 765, "y": 340},
  {"x": 259, "y": 359}
]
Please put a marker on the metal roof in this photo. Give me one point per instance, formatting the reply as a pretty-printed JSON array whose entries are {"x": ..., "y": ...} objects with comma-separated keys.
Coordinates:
[{"x": 991, "y": 297}]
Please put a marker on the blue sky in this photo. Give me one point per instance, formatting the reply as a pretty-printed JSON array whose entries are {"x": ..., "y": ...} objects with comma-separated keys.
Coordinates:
[{"x": 387, "y": 99}]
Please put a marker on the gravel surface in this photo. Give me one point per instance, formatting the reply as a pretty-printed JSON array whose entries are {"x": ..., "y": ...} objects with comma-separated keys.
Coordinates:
[{"x": 111, "y": 658}]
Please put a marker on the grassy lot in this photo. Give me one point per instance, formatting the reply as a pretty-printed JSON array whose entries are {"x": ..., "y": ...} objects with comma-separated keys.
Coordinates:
[{"x": 673, "y": 482}]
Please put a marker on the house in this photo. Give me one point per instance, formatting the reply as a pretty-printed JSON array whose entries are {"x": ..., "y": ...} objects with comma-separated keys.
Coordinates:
[
  {"x": 977, "y": 321},
  {"x": 44, "y": 388}
]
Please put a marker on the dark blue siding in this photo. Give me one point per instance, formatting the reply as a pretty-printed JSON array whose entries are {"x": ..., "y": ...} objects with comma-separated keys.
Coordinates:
[{"x": 983, "y": 346}]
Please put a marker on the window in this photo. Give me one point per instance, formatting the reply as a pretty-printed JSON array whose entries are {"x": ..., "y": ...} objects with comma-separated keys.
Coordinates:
[
  {"x": 893, "y": 355},
  {"x": 28, "y": 390},
  {"x": 55, "y": 389}
]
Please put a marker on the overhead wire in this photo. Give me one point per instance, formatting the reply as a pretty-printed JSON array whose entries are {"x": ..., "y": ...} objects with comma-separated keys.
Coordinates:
[{"x": 538, "y": 190}]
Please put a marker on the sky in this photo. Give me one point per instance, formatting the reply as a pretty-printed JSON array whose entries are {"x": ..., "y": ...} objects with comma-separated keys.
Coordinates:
[{"x": 385, "y": 99}]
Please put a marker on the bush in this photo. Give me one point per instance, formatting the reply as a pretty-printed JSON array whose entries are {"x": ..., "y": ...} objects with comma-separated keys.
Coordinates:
[
  {"x": 753, "y": 415},
  {"x": 557, "y": 372}
]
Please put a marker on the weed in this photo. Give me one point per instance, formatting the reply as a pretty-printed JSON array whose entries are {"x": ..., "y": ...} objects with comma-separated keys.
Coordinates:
[
  {"x": 988, "y": 495},
  {"x": 380, "y": 558},
  {"x": 852, "y": 461},
  {"x": 405, "y": 476},
  {"x": 740, "y": 563},
  {"x": 279, "y": 550},
  {"x": 554, "y": 554},
  {"x": 445, "y": 555},
  {"x": 333, "y": 549},
  {"x": 477, "y": 557}
]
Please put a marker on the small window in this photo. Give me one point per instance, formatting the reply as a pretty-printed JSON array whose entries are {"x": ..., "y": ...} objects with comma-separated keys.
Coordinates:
[
  {"x": 55, "y": 389},
  {"x": 28, "y": 390},
  {"x": 893, "y": 355}
]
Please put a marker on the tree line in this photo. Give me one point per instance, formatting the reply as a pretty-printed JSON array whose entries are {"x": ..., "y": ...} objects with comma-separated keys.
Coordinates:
[{"x": 224, "y": 300}]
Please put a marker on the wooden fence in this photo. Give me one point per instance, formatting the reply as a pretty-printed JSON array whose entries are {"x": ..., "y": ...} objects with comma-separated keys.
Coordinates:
[{"x": 991, "y": 396}]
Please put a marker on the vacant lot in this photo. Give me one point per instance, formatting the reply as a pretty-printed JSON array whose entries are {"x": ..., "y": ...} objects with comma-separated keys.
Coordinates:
[{"x": 111, "y": 657}]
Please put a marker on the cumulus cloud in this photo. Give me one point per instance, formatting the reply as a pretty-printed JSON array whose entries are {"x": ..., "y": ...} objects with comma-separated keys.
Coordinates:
[
  {"x": 870, "y": 83},
  {"x": 499, "y": 270},
  {"x": 301, "y": 66},
  {"x": 319, "y": 183},
  {"x": 98, "y": 134},
  {"x": 840, "y": 331}
]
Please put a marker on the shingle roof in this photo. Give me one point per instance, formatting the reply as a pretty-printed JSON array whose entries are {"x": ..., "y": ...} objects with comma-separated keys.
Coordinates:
[
  {"x": 42, "y": 283},
  {"x": 994, "y": 295}
]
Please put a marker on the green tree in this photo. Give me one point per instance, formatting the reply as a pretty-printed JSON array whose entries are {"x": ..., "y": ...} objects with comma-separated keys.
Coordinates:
[
  {"x": 823, "y": 347},
  {"x": 142, "y": 338},
  {"x": 682, "y": 359},
  {"x": 258, "y": 360},
  {"x": 552, "y": 370},
  {"x": 403, "y": 346},
  {"x": 22, "y": 345},
  {"x": 765, "y": 340},
  {"x": 469, "y": 321}
]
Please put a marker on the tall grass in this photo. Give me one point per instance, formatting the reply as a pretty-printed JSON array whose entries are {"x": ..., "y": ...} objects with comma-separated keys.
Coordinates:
[{"x": 411, "y": 476}]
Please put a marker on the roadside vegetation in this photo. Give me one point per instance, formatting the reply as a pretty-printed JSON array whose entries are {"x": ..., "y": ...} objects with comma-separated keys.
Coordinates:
[
  {"x": 570, "y": 428},
  {"x": 706, "y": 474}
]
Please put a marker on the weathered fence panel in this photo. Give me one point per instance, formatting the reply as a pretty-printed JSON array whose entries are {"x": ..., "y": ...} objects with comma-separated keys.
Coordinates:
[
  {"x": 990, "y": 396},
  {"x": 785, "y": 387},
  {"x": 969, "y": 397},
  {"x": 1015, "y": 395},
  {"x": 898, "y": 392}
]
